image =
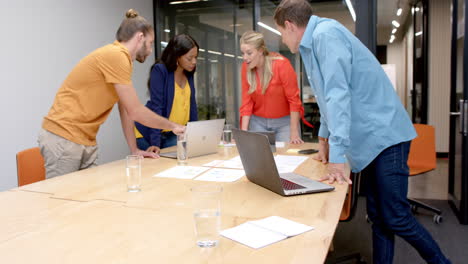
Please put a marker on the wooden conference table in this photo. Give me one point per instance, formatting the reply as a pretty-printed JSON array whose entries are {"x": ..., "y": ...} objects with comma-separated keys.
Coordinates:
[{"x": 89, "y": 217}]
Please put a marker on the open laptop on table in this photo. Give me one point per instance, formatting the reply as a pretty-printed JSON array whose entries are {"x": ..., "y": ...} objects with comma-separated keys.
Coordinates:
[
  {"x": 202, "y": 138},
  {"x": 271, "y": 138},
  {"x": 260, "y": 167}
]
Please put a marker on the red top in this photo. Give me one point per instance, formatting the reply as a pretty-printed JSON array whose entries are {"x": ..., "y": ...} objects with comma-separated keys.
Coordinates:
[{"x": 281, "y": 96}]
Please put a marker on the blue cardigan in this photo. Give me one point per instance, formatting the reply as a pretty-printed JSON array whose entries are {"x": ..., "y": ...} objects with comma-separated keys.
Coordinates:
[{"x": 161, "y": 99}]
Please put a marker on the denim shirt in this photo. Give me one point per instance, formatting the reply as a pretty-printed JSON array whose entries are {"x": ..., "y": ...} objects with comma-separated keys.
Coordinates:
[{"x": 361, "y": 114}]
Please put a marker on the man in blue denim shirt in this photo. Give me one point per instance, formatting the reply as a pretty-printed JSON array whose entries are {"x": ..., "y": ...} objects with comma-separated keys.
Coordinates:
[{"x": 362, "y": 121}]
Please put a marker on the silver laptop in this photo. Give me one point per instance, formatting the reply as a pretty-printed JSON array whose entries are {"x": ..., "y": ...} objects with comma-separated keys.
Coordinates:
[
  {"x": 260, "y": 167},
  {"x": 271, "y": 138},
  {"x": 203, "y": 138}
]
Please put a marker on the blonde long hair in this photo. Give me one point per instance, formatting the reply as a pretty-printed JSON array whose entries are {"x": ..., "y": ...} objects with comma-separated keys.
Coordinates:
[{"x": 256, "y": 40}]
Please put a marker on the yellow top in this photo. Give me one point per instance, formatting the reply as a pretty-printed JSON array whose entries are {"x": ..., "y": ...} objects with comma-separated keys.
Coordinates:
[
  {"x": 137, "y": 133},
  {"x": 180, "y": 111},
  {"x": 87, "y": 95}
]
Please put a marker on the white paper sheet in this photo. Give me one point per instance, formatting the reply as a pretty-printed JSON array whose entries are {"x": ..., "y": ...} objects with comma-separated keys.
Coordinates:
[
  {"x": 286, "y": 163},
  {"x": 182, "y": 172},
  {"x": 260, "y": 233},
  {"x": 284, "y": 226},
  {"x": 280, "y": 144},
  {"x": 234, "y": 163},
  {"x": 221, "y": 175}
]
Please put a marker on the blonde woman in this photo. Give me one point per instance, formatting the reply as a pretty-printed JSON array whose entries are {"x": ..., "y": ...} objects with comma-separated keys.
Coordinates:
[{"x": 270, "y": 95}]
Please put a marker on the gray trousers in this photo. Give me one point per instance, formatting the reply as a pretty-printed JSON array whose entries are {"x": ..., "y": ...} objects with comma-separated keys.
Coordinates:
[{"x": 61, "y": 156}]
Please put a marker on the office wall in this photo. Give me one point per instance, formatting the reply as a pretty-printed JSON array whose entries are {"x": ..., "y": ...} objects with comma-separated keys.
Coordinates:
[
  {"x": 396, "y": 55},
  {"x": 41, "y": 43},
  {"x": 439, "y": 71}
]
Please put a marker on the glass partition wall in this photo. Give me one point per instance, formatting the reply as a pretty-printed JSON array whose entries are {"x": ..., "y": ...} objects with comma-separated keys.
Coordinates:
[{"x": 217, "y": 27}]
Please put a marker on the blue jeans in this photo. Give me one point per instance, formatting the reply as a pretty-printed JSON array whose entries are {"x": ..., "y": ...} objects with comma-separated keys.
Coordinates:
[
  {"x": 278, "y": 125},
  {"x": 168, "y": 139},
  {"x": 389, "y": 210}
]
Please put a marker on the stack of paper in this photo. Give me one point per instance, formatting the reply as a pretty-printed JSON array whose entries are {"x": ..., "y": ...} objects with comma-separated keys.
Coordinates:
[{"x": 260, "y": 233}]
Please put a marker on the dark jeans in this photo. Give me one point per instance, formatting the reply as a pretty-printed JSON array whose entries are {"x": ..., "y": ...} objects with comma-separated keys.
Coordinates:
[
  {"x": 389, "y": 210},
  {"x": 168, "y": 139}
]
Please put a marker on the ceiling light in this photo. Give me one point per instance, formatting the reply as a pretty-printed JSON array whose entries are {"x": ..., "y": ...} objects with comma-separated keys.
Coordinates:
[
  {"x": 269, "y": 28},
  {"x": 392, "y": 38},
  {"x": 351, "y": 9},
  {"x": 186, "y": 2},
  {"x": 416, "y": 9},
  {"x": 399, "y": 11},
  {"x": 395, "y": 23},
  {"x": 418, "y": 33},
  {"x": 167, "y": 30},
  {"x": 394, "y": 31}
]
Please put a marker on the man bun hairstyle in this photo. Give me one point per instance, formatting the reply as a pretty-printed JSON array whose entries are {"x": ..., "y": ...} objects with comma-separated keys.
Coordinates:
[
  {"x": 296, "y": 11},
  {"x": 132, "y": 24}
]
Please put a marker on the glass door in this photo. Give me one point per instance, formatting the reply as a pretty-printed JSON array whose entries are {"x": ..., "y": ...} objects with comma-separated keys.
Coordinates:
[
  {"x": 419, "y": 92},
  {"x": 458, "y": 156}
]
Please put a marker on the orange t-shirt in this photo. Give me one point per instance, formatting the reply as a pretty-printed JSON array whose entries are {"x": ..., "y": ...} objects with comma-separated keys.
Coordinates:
[
  {"x": 87, "y": 95},
  {"x": 281, "y": 96}
]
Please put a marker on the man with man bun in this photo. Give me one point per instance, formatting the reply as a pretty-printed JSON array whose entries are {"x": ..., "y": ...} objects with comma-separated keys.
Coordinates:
[{"x": 84, "y": 101}]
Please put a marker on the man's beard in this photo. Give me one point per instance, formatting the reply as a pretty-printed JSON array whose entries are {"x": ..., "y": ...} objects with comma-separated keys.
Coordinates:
[{"x": 141, "y": 54}]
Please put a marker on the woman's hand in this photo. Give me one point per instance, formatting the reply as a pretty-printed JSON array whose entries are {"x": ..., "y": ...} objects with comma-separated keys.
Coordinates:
[{"x": 295, "y": 139}]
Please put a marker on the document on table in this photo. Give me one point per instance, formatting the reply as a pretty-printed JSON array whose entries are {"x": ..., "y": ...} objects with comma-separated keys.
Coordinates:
[
  {"x": 234, "y": 163},
  {"x": 280, "y": 144},
  {"x": 182, "y": 172},
  {"x": 260, "y": 233},
  {"x": 286, "y": 163},
  {"x": 221, "y": 175}
]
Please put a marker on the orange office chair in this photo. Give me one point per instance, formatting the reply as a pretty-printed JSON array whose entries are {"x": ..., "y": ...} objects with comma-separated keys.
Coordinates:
[
  {"x": 30, "y": 166},
  {"x": 422, "y": 159}
]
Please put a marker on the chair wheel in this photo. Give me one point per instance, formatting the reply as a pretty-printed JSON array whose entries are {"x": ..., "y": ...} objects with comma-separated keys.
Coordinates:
[
  {"x": 414, "y": 208},
  {"x": 437, "y": 219}
]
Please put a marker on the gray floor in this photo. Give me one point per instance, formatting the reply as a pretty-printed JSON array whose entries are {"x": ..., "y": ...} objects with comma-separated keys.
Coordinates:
[{"x": 355, "y": 236}]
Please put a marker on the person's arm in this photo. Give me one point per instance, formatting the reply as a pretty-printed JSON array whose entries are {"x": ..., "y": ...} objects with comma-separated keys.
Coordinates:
[
  {"x": 127, "y": 127},
  {"x": 138, "y": 112},
  {"x": 334, "y": 57},
  {"x": 295, "y": 138},
  {"x": 193, "y": 102},
  {"x": 247, "y": 102},
  {"x": 245, "y": 120},
  {"x": 288, "y": 79}
]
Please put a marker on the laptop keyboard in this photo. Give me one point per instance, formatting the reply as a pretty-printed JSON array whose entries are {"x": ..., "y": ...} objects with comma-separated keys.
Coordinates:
[{"x": 289, "y": 185}]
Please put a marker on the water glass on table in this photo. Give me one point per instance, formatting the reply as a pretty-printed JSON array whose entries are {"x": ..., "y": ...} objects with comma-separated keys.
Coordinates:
[
  {"x": 227, "y": 134},
  {"x": 133, "y": 172},
  {"x": 207, "y": 214},
  {"x": 182, "y": 157}
]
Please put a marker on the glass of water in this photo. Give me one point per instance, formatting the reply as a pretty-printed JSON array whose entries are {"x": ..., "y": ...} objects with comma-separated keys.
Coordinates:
[
  {"x": 133, "y": 171},
  {"x": 182, "y": 157},
  {"x": 207, "y": 214},
  {"x": 227, "y": 134}
]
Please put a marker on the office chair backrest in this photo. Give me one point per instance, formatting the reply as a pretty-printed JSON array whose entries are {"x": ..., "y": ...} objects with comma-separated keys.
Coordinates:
[
  {"x": 350, "y": 203},
  {"x": 30, "y": 166},
  {"x": 422, "y": 154}
]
